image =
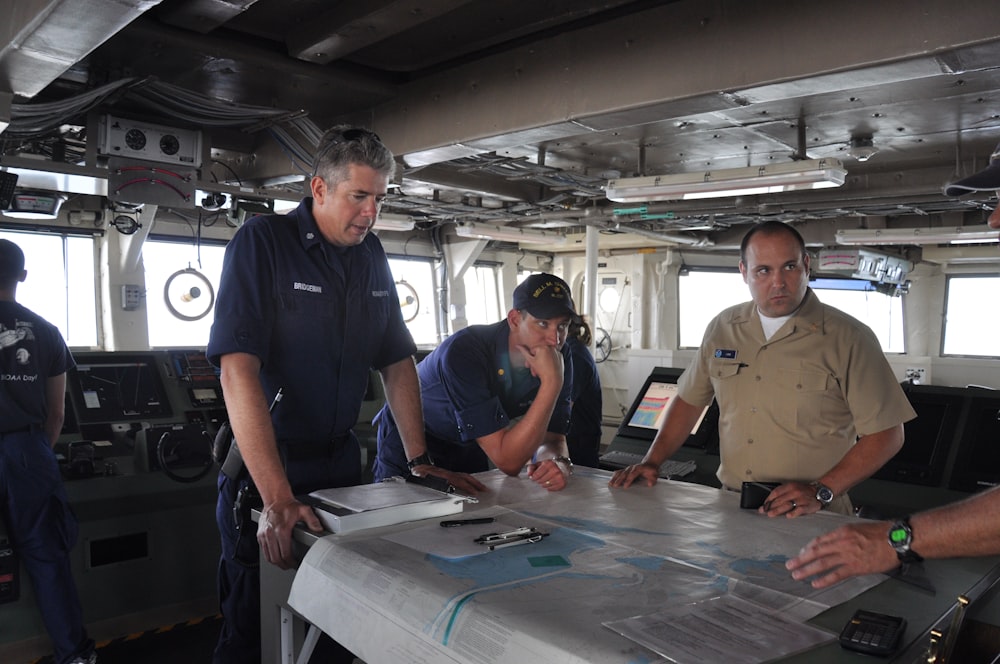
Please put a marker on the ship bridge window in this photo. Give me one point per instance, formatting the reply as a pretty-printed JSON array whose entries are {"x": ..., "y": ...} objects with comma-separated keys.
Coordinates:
[
  {"x": 180, "y": 316},
  {"x": 482, "y": 295},
  {"x": 704, "y": 293},
  {"x": 701, "y": 295},
  {"x": 970, "y": 318},
  {"x": 414, "y": 279},
  {"x": 60, "y": 283}
]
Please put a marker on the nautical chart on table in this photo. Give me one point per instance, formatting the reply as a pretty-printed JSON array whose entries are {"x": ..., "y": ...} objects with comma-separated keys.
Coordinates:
[{"x": 608, "y": 555}]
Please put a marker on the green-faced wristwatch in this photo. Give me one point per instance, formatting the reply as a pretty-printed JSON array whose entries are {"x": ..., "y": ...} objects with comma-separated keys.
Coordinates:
[{"x": 901, "y": 537}]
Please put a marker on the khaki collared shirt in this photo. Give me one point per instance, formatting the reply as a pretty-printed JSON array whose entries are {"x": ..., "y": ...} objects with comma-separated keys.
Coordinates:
[{"x": 791, "y": 407}]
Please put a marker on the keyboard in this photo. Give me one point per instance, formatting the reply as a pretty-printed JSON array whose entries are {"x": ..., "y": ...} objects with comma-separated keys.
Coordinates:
[{"x": 669, "y": 468}]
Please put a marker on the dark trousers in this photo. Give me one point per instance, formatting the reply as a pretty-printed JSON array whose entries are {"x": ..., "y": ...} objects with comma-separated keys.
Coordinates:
[
  {"x": 42, "y": 531},
  {"x": 239, "y": 565}
]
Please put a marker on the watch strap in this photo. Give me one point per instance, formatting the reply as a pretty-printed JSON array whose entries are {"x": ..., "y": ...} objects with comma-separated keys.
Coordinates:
[
  {"x": 901, "y": 538},
  {"x": 824, "y": 494},
  {"x": 420, "y": 460}
]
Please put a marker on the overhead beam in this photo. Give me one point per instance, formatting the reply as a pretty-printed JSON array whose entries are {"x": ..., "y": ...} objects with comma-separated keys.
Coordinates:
[
  {"x": 675, "y": 59},
  {"x": 41, "y": 39},
  {"x": 355, "y": 24},
  {"x": 203, "y": 15}
]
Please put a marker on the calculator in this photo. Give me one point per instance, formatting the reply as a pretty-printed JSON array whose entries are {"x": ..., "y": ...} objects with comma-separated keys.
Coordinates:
[{"x": 873, "y": 633}]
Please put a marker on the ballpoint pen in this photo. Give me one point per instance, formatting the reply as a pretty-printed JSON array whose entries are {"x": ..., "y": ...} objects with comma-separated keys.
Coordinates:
[
  {"x": 517, "y": 533},
  {"x": 451, "y": 523},
  {"x": 520, "y": 540}
]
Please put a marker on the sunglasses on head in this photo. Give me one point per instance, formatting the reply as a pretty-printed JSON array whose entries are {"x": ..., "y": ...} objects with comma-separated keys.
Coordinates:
[
  {"x": 357, "y": 134},
  {"x": 346, "y": 136}
]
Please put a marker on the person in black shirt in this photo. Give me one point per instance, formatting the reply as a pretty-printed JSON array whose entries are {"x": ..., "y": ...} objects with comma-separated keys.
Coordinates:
[{"x": 34, "y": 360}]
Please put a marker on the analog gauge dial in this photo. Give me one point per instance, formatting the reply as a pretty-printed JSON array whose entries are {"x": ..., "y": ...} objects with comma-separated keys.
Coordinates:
[{"x": 135, "y": 139}]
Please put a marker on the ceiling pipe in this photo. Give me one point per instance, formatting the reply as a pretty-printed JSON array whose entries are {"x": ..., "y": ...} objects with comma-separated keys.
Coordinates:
[{"x": 654, "y": 235}]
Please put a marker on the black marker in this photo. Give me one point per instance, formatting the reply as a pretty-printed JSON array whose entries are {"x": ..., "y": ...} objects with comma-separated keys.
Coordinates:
[{"x": 466, "y": 522}]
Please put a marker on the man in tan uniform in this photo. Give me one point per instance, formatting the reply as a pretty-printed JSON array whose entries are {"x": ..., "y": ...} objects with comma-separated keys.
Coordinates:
[
  {"x": 969, "y": 527},
  {"x": 806, "y": 396}
]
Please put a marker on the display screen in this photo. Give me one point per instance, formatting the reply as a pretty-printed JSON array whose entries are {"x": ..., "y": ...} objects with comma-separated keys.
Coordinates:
[
  {"x": 649, "y": 409},
  {"x": 977, "y": 464},
  {"x": 927, "y": 438},
  {"x": 652, "y": 407},
  {"x": 117, "y": 388}
]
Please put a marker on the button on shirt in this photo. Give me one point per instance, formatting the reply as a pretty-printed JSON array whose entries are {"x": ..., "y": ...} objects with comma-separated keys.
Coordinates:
[
  {"x": 318, "y": 317},
  {"x": 791, "y": 407}
]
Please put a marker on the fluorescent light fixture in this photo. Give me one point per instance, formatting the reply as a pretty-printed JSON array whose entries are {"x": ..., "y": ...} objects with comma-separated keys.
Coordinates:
[
  {"x": 508, "y": 233},
  {"x": 943, "y": 235},
  {"x": 774, "y": 178},
  {"x": 393, "y": 222}
]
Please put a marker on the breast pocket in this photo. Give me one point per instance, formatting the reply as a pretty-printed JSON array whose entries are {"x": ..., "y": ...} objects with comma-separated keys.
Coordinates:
[
  {"x": 804, "y": 398},
  {"x": 724, "y": 374},
  {"x": 375, "y": 313},
  {"x": 311, "y": 304}
]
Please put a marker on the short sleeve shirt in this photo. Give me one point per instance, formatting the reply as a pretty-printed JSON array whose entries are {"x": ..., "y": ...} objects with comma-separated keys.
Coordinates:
[
  {"x": 469, "y": 390},
  {"x": 791, "y": 407},
  {"x": 318, "y": 317},
  {"x": 31, "y": 351}
]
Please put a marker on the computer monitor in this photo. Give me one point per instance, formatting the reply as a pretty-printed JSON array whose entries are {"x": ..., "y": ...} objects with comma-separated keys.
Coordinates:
[
  {"x": 928, "y": 437},
  {"x": 977, "y": 461},
  {"x": 115, "y": 387},
  {"x": 648, "y": 409}
]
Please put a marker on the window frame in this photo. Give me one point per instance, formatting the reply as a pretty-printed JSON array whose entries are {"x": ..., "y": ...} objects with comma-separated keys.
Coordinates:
[
  {"x": 156, "y": 289},
  {"x": 819, "y": 284},
  {"x": 65, "y": 322},
  {"x": 945, "y": 310}
]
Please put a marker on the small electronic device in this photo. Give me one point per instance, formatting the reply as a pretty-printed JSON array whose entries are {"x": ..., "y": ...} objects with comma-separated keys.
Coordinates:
[
  {"x": 753, "y": 494},
  {"x": 10, "y": 589},
  {"x": 873, "y": 633}
]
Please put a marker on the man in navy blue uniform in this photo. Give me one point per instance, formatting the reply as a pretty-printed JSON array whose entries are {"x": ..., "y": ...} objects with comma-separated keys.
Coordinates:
[
  {"x": 307, "y": 305},
  {"x": 584, "y": 435},
  {"x": 496, "y": 393},
  {"x": 34, "y": 360}
]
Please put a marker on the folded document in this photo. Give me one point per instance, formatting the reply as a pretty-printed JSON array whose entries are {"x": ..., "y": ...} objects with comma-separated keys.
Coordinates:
[{"x": 346, "y": 509}]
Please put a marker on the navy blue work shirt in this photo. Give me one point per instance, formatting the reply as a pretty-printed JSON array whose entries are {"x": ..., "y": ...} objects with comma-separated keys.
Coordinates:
[
  {"x": 469, "y": 390},
  {"x": 318, "y": 317},
  {"x": 31, "y": 351}
]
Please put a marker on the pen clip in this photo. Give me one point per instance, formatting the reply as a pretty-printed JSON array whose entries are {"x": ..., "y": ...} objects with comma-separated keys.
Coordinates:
[
  {"x": 510, "y": 536},
  {"x": 517, "y": 533},
  {"x": 529, "y": 539}
]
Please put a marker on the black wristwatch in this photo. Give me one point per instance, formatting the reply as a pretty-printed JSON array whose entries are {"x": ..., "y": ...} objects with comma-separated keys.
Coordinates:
[
  {"x": 420, "y": 460},
  {"x": 900, "y": 538},
  {"x": 824, "y": 494}
]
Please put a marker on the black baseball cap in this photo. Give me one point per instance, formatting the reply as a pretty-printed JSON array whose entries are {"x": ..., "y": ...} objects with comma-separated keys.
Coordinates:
[
  {"x": 987, "y": 179},
  {"x": 544, "y": 296}
]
